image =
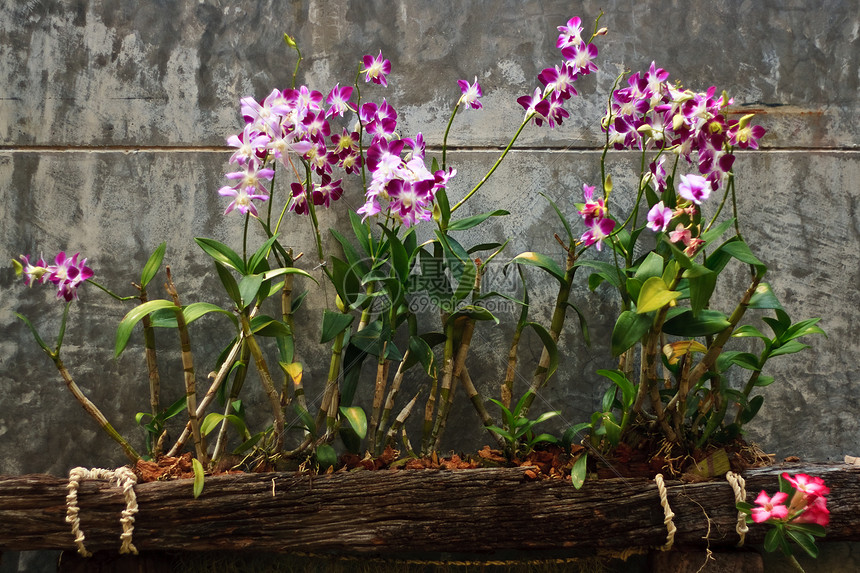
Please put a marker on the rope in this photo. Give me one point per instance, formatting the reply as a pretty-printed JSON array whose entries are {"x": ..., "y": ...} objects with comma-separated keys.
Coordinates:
[
  {"x": 123, "y": 478},
  {"x": 739, "y": 486},
  {"x": 667, "y": 511}
]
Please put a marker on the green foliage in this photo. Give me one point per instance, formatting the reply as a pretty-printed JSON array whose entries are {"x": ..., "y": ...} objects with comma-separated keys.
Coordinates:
[{"x": 518, "y": 431}]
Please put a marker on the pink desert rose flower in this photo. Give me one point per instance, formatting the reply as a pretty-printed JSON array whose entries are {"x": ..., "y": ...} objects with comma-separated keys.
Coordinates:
[
  {"x": 810, "y": 486},
  {"x": 770, "y": 507},
  {"x": 471, "y": 93},
  {"x": 815, "y": 512}
]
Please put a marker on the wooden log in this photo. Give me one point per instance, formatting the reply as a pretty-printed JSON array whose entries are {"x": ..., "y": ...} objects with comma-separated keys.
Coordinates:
[{"x": 394, "y": 512}]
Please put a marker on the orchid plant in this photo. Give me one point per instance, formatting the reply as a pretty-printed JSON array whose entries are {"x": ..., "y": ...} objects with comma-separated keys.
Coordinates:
[{"x": 663, "y": 258}]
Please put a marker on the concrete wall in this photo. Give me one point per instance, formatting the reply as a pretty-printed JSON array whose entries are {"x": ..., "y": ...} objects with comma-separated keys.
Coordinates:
[{"x": 113, "y": 116}]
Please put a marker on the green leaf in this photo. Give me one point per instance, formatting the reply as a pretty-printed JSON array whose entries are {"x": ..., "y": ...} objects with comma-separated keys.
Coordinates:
[
  {"x": 701, "y": 288},
  {"x": 199, "y": 476},
  {"x": 741, "y": 251},
  {"x": 716, "y": 232},
  {"x": 361, "y": 231},
  {"x": 549, "y": 344},
  {"x": 399, "y": 257},
  {"x": 152, "y": 265},
  {"x": 810, "y": 528},
  {"x": 542, "y": 262},
  {"x": 764, "y": 381},
  {"x": 126, "y": 325},
  {"x": 305, "y": 418},
  {"x": 745, "y": 360},
  {"x": 210, "y": 422},
  {"x": 333, "y": 324},
  {"x": 475, "y": 220},
  {"x": 356, "y": 418},
  {"x": 326, "y": 457},
  {"x": 802, "y": 328},
  {"x": 583, "y": 325},
  {"x": 580, "y": 468},
  {"x": 788, "y": 348},
  {"x": 752, "y": 409},
  {"x": 229, "y": 283},
  {"x": 38, "y": 338},
  {"x": 606, "y": 271},
  {"x": 267, "y": 326},
  {"x": 628, "y": 391},
  {"x": 748, "y": 330},
  {"x": 351, "y": 254},
  {"x": 629, "y": 329},
  {"x": 708, "y": 322},
  {"x": 443, "y": 204},
  {"x": 613, "y": 430},
  {"x": 420, "y": 351},
  {"x": 805, "y": 540},
  {"x": 221, "y": 253},
  {"x": 267, "y": 275},
  {"x": 197, "y": 309},
  {"x": 654, "y": 295},
  {"x": 652, "y": 266},
  {"x": 474, "y": 312},
  {"x": 564, "y": 221},
  {"x": 261, "y": 254},
  {"x": 764, "y": 297},
  {"x": 249, "y": 286}
]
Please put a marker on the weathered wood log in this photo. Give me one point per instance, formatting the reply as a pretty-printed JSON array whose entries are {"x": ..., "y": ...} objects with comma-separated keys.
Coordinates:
[{"x": 395, "y": 512}]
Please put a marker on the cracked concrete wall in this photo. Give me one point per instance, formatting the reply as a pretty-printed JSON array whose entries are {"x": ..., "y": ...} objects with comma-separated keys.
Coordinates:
[
  {"x": 114, "y": 113},
  {"x": 113, "y": 116}
]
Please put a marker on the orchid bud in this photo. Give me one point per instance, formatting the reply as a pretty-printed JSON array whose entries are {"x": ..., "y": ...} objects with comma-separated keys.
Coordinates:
[
  {"x": 602, "y": 31},
  {"x": 744, "y": 121},
  {"x": 288, "y": 40}
]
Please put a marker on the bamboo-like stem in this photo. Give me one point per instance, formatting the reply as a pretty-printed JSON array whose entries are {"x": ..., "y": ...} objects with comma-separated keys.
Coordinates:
[
  {"x": 445, "y": 389},
  {"x": 241, "y": 372},
  {"x": 478, "y": 403},
  {"x": 429, "y": 407},
  {"x": 378, "y": 393},
  {"x": 265, "y": 378},
  {"x": 151, "y": 358},
  {"x": 93, "y": 411},
  {"x": 188, "y": 372},
  {"x": 328, "y": 407},
  {"x": 456, "y": 370},
  {"x": 210, "y": 394},
  {"x": 399, "y": 420},
  {"x": 648, "y": 376},
  {"x": 716, "y": 347},
  {"x": 376, "y": 445},
  {"x": 556, "y": 324},
  {"x": 511, "y": 372}
]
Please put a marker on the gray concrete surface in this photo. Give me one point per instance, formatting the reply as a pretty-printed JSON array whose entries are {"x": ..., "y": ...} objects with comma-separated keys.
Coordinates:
[{"x": 113, "y": 116}]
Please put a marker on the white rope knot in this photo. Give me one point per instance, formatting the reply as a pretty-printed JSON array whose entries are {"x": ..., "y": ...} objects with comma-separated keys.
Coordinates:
[
  {"x": 739, "y": 487},
  {"x": 667, "y": 512},
  {"x": 122, "y": 478}
]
